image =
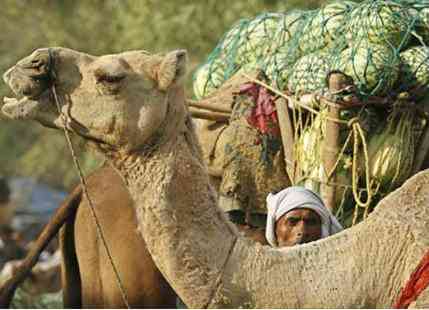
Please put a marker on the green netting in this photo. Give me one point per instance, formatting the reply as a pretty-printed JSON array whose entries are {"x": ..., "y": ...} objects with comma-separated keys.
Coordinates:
[
  {"x": 284, "y": 51},
  {"x": 365, "y": 40},
  {"x": 381, "y": 22},
  {"x": 415, "y": 71},
  {"x": 221, "y": 63},
  {"x": 326, "y": 27},
  {"x": 382, "y": 46},
  {"x": 373, "y": 67},
  {"x": 309, "y": 73},
  {"x": 255, "y": 37},
  {"x": 422, "y": 24}
]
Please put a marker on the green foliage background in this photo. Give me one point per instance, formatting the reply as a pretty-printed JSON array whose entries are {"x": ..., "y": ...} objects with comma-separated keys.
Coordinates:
[{"x": 102, "y": 27}]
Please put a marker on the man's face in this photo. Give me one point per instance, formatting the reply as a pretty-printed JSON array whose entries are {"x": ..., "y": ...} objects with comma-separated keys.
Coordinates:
[{"x": 298, "y": 226}]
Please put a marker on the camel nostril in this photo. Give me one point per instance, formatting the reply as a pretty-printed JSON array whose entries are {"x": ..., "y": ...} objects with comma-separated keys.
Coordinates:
[
  {"x": 26, "y": 92},
  {"x": 36, "y": 65},
  {"x": 6, "y": 75}
]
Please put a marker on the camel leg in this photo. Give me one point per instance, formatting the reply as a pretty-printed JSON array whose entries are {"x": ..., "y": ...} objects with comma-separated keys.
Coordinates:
[{"x": 70, "y": 276}]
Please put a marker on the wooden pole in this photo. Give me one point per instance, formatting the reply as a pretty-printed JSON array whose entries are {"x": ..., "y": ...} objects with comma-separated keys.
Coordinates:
[
  {"x": 210, "y": 107},
  {"x": 422, "y": 149},
  {"x": 286, "y": 132},
  {"x": 331, "y": 147},
  {"x": 209, "y": 115}
]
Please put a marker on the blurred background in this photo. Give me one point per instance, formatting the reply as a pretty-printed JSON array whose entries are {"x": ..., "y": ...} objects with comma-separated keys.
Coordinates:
[{"x": 101, "y": 27}]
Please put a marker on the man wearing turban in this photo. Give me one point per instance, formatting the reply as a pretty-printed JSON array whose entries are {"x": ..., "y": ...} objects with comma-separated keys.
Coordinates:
[{"x": 297, "y": 215}]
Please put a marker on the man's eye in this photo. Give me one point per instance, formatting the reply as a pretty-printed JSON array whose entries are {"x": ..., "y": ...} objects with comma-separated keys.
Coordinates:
[
  {"x": 293, "y": 221},
  {"x": 312, "y": 222}
]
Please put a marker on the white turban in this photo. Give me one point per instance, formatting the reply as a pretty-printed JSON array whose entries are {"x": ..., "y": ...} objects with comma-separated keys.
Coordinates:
[{"x": 298, "y": 197}]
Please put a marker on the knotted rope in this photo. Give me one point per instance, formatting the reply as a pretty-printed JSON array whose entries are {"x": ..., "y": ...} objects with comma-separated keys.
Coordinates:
[{"x": 356, "y": 131}]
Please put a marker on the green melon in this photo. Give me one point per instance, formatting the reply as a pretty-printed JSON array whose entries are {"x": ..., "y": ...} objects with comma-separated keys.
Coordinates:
[
  {"x": 231, "y": 39},
  {"x": 208, "y": 78},
  {"x": 373, "y": 67},
  {"x": 255, "y": 37},
  {"x": 420, "y": 18},
  {"x": 310, "y": 36},
  {"x": 309, "y": 73},
  {"x": 380, "y": 22},
  {"x": 328, "y": 25},
  {"x": 391, "y": 150},
  {"x": 288, "y": 26},
  {"x": 415, "y": 69},
  {"x": 325, "y": 27},
  {"x": 278, "y": 68},
  {"x": 308, "y": 153}
]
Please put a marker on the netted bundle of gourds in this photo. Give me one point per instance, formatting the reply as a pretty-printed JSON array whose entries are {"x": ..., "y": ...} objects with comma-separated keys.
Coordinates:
[
  {"x": 382, "y": 46},
  {"x": 369, "y": 41}
]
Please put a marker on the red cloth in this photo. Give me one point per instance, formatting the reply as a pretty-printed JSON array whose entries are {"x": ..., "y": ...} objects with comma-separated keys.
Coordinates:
[
  {"x": 416, "y": 284},
  {"x": 263, "y": 115}
]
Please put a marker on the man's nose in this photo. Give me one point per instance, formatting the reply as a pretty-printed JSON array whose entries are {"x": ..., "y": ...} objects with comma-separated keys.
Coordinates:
[{"x": 301, "y": 228}]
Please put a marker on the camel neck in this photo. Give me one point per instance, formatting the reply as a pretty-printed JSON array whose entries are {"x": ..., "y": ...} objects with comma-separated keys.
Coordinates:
[
  {"x": 199, "y": 253},
  {"x": 186, "y": 234}
]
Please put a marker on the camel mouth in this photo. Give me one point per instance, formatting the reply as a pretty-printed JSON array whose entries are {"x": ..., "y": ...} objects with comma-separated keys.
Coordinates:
[
  {"x": 26, "y": 84},
  {"x": 21, "y": 107},
  {"x": 31, "y": 93}
]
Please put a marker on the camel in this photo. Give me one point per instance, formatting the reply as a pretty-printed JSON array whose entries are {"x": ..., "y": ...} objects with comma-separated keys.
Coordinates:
[
  {"x": 149, "y": 138},
  {"x": 80, "y": 249}
]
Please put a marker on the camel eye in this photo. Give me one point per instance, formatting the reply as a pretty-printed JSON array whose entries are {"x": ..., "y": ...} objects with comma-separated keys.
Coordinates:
[
  {"x": 109, "y": 84},
  {"x": 106, "y": 78}
]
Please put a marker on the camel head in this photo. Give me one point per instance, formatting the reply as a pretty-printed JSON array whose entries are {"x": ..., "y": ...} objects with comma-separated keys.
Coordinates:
[{"x": 119, "y": 101}]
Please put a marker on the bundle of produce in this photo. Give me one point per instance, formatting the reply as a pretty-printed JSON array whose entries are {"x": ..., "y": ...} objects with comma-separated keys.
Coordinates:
[
  {"x": 282, "y": 52},
  {"x": 381, "y": 22},
  {"x": 326, "y": 26},
  {"x": 308, "y": 74},
  {"x": 289, "y": 25},
  {"x": 365, "y": 38},
  {"x": 391, "y": 150},
  {"x": 415, "y": 71},
  {"x": 422, "y": 23},
  {"x": 373, "y": 67},
  {"x": 365, "y": 41},
  {"x": 255, "y": 37},
  {"x": 209, "y": 77},
  {"x": 308, "y": 153}
]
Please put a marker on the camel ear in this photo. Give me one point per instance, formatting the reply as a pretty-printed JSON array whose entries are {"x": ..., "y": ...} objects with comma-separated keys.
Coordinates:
[{"x": 172, "y": 69}]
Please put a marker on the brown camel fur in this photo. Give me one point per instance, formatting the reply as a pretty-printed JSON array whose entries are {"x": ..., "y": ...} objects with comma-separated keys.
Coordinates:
[
  {"x": 153, "y": 291},
  {"x": 145, "y": 285},
  {"x": 149, "y": 137},
  {"x": 85, "y": 256}
]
